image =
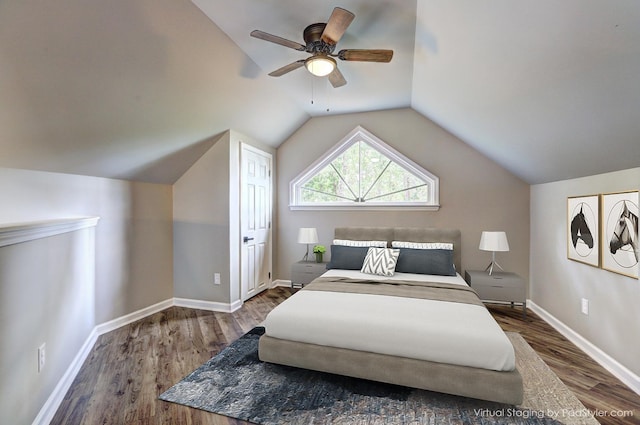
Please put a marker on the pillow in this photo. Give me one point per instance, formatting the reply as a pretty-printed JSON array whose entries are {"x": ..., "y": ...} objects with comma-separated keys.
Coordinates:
[
  {"x": 347, "y": 242},
  {"x": 422, "y": 245},
  {"x": 426, "y": 261},
  {"x": 347, "y": 257},
  {"x": 380, "y": 261}
]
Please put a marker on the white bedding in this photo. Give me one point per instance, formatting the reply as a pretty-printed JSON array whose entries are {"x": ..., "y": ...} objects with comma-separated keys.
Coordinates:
[{"x": 438, "y": 331}]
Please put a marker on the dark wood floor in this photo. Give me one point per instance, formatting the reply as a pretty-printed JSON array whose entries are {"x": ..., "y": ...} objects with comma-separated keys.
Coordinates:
[{"x": 128, "y": 368}]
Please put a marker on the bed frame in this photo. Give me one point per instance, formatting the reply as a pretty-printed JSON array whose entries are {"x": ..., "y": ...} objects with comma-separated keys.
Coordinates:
[{"x": 502, "y": 387}]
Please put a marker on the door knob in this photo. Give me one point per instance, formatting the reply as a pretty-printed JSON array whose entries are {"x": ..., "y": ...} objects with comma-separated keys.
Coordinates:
[{"x": 246, "y": 239}]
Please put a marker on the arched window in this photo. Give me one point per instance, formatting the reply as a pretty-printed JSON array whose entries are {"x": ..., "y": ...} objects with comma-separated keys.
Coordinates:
[{"x": 362, "y": 171}]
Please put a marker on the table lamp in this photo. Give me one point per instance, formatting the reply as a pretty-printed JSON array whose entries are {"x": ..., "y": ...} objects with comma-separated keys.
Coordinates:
[
  {"x": 494, "y": 241},
  {"x": 307, "y": 235}
]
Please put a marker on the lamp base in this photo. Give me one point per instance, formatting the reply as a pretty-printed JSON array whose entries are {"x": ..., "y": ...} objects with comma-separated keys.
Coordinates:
[
  {"x": 491, "y": 266},
  {"x": 306, "y": 256}
]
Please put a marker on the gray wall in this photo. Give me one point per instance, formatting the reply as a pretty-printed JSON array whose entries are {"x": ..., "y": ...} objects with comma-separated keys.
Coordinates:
[
  {"x": 475, "y": 193},
  {"x": 206, "y": 223},
  {"x": 53, "y": 291},
  {"x": 558, "y": 284},
  {"x": 201, "y": 226},
  {"x": 46, "y": 296}
]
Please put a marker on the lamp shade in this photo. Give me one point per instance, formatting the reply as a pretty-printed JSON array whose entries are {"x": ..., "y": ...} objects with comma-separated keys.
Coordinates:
[
  {"x": 494, "y": 241},
  {"x": 307, "y": 235}
]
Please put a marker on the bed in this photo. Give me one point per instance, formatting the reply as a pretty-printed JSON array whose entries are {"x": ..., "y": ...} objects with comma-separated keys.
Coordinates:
[{"x": 427, "y": 331}]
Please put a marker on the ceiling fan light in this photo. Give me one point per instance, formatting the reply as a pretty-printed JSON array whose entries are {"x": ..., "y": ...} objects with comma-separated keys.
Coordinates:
[{"x": 320, "y": 65}]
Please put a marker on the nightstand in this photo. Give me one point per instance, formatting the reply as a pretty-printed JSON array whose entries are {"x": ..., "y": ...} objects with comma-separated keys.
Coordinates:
[
  {"x": 304, "y": 272},
  {"x": 500, "y": 286}
]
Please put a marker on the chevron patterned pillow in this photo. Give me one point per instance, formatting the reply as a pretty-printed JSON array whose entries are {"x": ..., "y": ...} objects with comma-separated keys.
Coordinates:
[{"x": 380, "y": 261}]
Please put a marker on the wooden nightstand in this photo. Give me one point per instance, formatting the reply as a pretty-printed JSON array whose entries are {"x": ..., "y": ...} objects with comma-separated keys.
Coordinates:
[
  {"x": 500, "y": 286},
  {"x": 304, "y": 272}
]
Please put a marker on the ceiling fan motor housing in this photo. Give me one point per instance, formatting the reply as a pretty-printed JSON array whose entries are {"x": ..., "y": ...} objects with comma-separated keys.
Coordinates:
[{"x": 313, "y": 37}]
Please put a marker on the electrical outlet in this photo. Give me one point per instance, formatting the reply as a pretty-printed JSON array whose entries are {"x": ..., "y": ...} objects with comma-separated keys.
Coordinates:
[
  {"x": 42, "y": 357},
  {"x": 216, "y": 278},
  {"x": 585, "y": 306}
]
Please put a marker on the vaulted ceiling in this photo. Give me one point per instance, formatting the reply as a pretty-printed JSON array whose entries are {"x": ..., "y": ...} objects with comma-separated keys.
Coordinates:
[{"x": 140, "y": 89}]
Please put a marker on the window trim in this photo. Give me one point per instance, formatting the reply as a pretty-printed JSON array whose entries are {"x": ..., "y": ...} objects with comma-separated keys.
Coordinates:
[{"x": 355, "y": 135}]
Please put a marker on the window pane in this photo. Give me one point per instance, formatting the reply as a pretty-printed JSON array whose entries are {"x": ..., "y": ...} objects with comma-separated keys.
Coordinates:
[
  {"x": 363, "y": 173},
  {"x": 347, "y": 166},
  {"x": 411, "y": 195},
  {"x": 395, "y": 185},
  {"x": 326, "y": 186},
  {"x": 373, "y": 164}
]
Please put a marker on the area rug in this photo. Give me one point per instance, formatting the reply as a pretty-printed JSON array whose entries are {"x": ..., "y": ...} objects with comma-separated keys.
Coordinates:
[{"x": 237, "y": 384}]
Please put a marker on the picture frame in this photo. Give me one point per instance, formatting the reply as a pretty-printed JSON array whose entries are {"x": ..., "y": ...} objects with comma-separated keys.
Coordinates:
[
  {"x": 583, "y": 229},
  {"x": 619, "y": 238}
]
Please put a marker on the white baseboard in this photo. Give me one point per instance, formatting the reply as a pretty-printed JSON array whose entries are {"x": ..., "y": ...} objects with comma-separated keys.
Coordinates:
[
  {"x": 132, "y": 317},
  {"x": 281, "y": 282},
  {"x": 208, "y": 305},
  {"x": 612, "y": 365},
  {"x": 46, "y": 414}
]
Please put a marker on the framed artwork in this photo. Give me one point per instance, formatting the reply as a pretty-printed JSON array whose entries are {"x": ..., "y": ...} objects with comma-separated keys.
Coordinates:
[
  {"x": 620, "y": 233},
  {"x": 583, "y": 229}
]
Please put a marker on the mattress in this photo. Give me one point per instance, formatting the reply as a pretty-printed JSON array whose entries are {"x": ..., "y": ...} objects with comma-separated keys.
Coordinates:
[{"x": 422, "y": 329}]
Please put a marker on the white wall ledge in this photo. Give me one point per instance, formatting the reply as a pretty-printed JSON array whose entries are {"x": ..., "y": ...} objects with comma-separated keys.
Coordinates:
[{"x": 14, "y": 233}]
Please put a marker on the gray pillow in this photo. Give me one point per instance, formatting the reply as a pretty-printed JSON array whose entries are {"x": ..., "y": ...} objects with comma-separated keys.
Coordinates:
[
  {"x": 347, "y": 257},
  {"x": 426, "y": 261}
]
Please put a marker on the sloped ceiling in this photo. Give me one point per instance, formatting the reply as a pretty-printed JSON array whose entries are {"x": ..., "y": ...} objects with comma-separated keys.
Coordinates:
[
  {"x": 549, "y": 89},
  {"x": 140, "y": 89},
  {"x": 126, "y": 89}
]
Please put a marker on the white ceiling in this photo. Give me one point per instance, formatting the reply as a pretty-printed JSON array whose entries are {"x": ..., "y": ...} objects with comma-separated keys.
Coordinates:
[{"x": 139, "y": 90}]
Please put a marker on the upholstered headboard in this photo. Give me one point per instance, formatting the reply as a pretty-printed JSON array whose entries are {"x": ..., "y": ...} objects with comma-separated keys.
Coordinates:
[{"x": 411, "y": 234}]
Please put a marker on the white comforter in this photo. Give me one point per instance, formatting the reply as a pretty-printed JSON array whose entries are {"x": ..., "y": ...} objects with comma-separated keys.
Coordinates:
[{"x": 438, "y": 331}]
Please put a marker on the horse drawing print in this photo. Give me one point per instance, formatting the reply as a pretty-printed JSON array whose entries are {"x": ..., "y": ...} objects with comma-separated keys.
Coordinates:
[
  {"x": 625, "y": 232},
  {"x": 580, "y": 230}
]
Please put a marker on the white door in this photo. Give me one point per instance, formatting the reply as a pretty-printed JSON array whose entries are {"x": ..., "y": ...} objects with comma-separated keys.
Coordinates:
[{"x": 255, "y": 221}]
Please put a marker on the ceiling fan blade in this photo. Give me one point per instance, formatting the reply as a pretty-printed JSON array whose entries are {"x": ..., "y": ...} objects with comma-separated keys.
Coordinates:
[
  {"x": 287, "y": 68},
  {"x": 338, "y": 22},
  {"x": 278, "y": 40},
  {"x": 336, "y": 78},
  {"x": 366, "y": 55}
]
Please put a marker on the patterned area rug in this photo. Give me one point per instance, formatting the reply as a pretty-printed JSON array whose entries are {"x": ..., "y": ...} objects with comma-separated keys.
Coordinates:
[{"x": 237, "y": 384}]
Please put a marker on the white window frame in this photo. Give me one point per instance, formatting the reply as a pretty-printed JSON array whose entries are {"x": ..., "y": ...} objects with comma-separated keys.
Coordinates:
[{"x": 357, "y": 134}]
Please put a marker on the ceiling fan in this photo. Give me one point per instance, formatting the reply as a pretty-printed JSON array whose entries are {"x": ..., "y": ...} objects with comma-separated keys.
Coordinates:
[{"x": 321, "y": 40}]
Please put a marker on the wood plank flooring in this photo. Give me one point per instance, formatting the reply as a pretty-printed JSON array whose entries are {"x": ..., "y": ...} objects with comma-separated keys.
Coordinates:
[{"x": 128, "y": 368}]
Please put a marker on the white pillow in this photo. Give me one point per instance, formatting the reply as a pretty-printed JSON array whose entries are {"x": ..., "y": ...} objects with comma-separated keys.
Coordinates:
[
  {"x": 422, "y": 245},
  {"x": 380, "y": 261},
  {"x": 347, "y": 242}
]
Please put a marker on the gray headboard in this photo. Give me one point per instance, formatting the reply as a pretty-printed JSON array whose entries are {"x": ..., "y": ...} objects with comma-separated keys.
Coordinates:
[{"x": 411, "y": 234}]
